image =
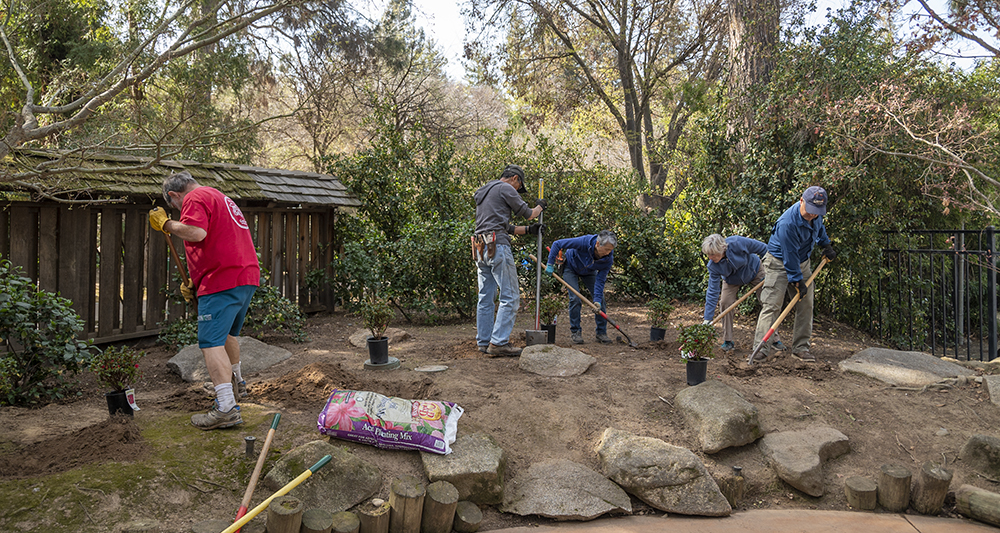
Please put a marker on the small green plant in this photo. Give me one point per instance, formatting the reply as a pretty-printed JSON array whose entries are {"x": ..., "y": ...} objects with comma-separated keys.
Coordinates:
[
  {"x": 697, "y": 341},
  {"x": 376, "y": 313},
  {"x": 39, "y": 335},
  {"x": 658, "y": 312},
  {"x": 551, "y": 305},
  {"x": 117, "y": 367}
]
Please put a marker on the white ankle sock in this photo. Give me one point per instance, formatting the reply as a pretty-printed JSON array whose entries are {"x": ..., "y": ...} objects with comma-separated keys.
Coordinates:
[
  {"x": 224, "y": 395},
  {"x": 239, "y": 374}
]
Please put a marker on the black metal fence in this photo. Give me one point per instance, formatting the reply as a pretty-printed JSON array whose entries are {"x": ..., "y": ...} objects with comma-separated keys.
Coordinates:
[{"x": 936, "y": 291}]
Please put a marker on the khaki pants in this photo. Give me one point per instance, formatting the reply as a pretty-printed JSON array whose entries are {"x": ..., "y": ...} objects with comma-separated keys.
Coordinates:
[
  {"x": 772, "y": 298},
  {"x": 729, "y": 296}
]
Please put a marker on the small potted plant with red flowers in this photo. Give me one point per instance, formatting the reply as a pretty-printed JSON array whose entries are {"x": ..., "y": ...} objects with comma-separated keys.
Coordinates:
[
  {"x": 697, "y": 343},
  {"x": 117, "y": 368}
]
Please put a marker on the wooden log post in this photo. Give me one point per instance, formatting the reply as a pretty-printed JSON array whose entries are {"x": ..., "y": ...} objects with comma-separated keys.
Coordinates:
[
  {"x": 284, "y": 515},
  {"x": 317, "y": 520},
  {"x": 930, "y": 488},
  {"x": 345, "y": 522},
  {"x": 978, "y": 504},
  {"x": 862, "y": 493},
  {"x": 374, "y": 517},
  {"x": 894, "y": 487},
  {"x": 468, "y": 516},
  {"x": 406, "y": 504},
  {"x": 439, "y": 508}
]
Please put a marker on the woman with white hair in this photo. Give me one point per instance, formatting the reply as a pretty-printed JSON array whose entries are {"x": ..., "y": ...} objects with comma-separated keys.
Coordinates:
[{"x": 732, "y": 263}]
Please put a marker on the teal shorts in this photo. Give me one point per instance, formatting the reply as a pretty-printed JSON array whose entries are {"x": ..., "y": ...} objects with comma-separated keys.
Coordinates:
[{"x": 221, "y": 314}]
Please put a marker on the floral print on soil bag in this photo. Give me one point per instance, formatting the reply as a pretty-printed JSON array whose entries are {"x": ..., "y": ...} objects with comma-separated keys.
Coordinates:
[{"x": 390, "y": 423}]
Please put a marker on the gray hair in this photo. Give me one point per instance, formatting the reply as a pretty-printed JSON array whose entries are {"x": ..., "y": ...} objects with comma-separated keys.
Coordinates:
[
  {"x": 714, "y": 244},
  {"x": 178, "y": 182},
  {"x": 606, "y": 237}
]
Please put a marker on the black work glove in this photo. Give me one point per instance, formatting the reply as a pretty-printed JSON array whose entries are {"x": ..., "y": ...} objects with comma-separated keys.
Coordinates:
[
  {"x": 543, "y": 203},
  {"x": 536, "y": 229},
  {"x": 801, "y": 287},
  {"x": 829, "y": 253}
]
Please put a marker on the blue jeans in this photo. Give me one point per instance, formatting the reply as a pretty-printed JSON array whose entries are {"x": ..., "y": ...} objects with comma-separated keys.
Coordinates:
[
  {"x": 574, "y": 280},
  {"x": 497, "y": 273}
]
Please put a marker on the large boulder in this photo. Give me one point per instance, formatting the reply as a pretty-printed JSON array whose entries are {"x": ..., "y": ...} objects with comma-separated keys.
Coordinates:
[
  {"x": 903, "y": 369},
  {"x": 982, "y": 454},
  {"x": 564, "y": 490},
  {"x": 475, "y": 466},
  {"x": 720, "y": 415},
  {"x": 255, "y": 356},
  {"x": 667, "y": 477},
  {"x": 798, "y": 456},
  {"x": 554, "y": 361},
  {"x": 343, "y": 483}
]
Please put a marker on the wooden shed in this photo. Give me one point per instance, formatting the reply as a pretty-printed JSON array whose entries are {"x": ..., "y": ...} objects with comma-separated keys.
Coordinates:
[{"x": 105, "y": 258}]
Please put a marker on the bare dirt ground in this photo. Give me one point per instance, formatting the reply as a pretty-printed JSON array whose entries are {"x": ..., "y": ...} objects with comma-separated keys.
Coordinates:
[{"x": 533, "y": 418}]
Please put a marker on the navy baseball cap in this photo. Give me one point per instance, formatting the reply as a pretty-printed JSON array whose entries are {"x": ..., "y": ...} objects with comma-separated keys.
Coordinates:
[
  {"x": 815, "y": 200},
  {"x": 514, "y": 170}
]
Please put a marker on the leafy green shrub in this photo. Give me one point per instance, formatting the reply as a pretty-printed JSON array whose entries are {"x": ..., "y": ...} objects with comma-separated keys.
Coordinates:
[
  {"x": 117, "y": 367},
  {"x": 39, "y": 330},
  {"x": 658, "y": 311},
  {"x": 376, "y": 313},
  {"x": 550, "y": 306},
  {"x": 697, "y": 341},
  {"x": 178, "y": 333}
]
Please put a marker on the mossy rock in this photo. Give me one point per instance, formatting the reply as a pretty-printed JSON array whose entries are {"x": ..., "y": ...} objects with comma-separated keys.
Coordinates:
[{"x": 343, "y": 483}]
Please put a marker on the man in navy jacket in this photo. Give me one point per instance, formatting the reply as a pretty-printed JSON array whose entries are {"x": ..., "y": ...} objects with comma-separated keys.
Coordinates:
[
  {"x": 787, "y": 268},
  {"x": 588, "y": 258},
  {"x": 732, "y": 263}
]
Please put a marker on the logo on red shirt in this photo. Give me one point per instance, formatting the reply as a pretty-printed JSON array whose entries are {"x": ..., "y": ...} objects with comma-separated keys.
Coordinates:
[{"x": 234, "y": 211}]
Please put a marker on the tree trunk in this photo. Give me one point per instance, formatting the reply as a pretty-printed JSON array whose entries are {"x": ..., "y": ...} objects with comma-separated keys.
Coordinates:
[
  {"x": 978, "y": 504},
  {"x": 753, "y": 39}
]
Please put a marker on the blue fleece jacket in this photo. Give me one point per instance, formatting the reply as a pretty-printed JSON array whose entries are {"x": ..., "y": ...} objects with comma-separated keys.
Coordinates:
[
  {"x": 738, "y": 266},
  {"x": 580, "y": 256},
  {"x": 792, "y": 240}
]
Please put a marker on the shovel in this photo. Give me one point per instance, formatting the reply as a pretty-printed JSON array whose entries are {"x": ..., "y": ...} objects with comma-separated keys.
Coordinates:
[
  {"x": 537, "y": 335},
  {"x": 738, "y": 302},
  {"x": 180, "y": 266},
  {"x": 256, "y": 471},
  {"x": 784, "y": 313},
  {"x": 591, "y": 304}
]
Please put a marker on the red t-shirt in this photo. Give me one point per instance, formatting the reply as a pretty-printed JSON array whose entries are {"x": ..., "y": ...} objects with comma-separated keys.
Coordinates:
[{"x": 226, "y": 258}]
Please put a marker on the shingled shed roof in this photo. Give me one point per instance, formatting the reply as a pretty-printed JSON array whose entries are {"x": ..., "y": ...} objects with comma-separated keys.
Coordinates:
[{"x": 134, "y": 176}]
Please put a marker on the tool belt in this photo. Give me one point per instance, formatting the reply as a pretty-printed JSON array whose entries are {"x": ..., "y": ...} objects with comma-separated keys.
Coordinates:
[{"x": 484, "y": 246}]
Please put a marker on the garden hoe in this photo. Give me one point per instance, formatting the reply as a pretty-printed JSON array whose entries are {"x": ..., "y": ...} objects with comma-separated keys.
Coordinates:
[
  {"x": 538, "y": 335},
  {"x": 784, "y": 313},
  {"x": 237, "y": 525},
  {"x": 738, "y": 302},
  {"x": 591, "y": 304},
  {"x": 256, "y": 471}
]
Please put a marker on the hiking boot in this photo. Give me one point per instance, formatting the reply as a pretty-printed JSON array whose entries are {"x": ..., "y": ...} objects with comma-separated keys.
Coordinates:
[
  {"x": 216, "y": 419},
  {"x": 239, "y": 388},
  {"x": 482, "y": 348},
  {"x": 728, "y": 346},
  {"x": 604, "y": 339},
  {"x": 577, "y": 337},
  {"x": 805, "y": 356},
  {"x": 505, "y": 350},
  {"x": 778, "y": 346}
]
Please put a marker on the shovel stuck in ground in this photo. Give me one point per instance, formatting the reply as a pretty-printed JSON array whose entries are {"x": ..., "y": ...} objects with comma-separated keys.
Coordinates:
[{"x": 591, "y": 304}]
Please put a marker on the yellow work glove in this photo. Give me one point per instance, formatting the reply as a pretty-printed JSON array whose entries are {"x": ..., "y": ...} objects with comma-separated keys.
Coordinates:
[
  {"x": 157, "y": 218},
  {"x": 187, "y": 291}
]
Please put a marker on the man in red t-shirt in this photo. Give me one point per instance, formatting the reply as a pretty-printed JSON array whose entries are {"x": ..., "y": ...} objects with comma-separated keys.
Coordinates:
[{"x": 225, "y": 273}]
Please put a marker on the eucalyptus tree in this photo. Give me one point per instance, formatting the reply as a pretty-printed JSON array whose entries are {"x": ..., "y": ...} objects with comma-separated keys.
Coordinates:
[
  {"x": 126, "y": 77},
  {"x": 631, "y": 56}
]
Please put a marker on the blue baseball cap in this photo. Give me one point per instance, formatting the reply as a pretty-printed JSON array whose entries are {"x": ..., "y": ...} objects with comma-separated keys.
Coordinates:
[{"x": 815, "y": 200}]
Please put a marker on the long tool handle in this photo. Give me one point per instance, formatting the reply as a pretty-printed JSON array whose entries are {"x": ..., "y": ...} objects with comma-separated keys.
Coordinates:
[
  {"x": 177, "y": 259},
  {"x": 588, "y": 302},
  {"x": 256, "y": 470},
  {"x": 281, "y": 492},
  {"x": 738, "y": 302},
  {"x": 538, "y": 269},
  {"x": 784, "y": 313}
]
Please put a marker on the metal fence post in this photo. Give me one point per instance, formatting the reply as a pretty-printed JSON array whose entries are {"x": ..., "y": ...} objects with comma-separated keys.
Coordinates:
[{"x": 991, "y": 284}]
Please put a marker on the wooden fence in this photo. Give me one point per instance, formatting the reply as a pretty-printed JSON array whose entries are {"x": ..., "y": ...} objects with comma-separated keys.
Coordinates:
[{"x": 117, "y": 271}]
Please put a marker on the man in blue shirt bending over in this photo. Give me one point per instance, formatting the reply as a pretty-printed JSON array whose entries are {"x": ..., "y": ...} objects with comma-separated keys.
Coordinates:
[
  {"x": 588, "y": 258},
  {"x": 787, "y": 268}
]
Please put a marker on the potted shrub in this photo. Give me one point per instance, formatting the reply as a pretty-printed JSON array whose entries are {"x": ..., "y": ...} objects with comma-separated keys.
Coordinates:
[
  {"x": 658, "y": 312},
  {"x": 117, "y": 369},
  {"x": 696, "y": 345},
  {"x": 376, "y": 313},
  {"x": 550, "y": 306}
]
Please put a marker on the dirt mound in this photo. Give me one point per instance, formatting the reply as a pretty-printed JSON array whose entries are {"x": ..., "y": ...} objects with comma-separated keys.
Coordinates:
[
  {"x": 116, "y": 439},
  {"x": 312, "y": 384}
]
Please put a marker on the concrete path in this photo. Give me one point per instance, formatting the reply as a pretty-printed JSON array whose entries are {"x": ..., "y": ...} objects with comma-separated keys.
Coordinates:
[{"x": 768, "y": 521}]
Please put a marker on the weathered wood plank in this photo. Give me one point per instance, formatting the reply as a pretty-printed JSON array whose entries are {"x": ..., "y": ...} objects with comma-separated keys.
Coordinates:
[
  {"x": 292, "y": 282},
  {"x": 89, "y": 276},
  {"x": 303, "y": 250},
  {"x": 48, "y": 248},
  {"x": 278, "y": 250},
  {"x": 176, "y": 308},
  {"x": 156, "y": 277},
  {"x": 71, "y": 257},
  {"x": 109, "y": 288},
  {"x": 5, "y": 232},
  {"x": 24, "y": 239},
  {"x": 133, "y": 293},
  {"x": 264, "y": 239}
]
